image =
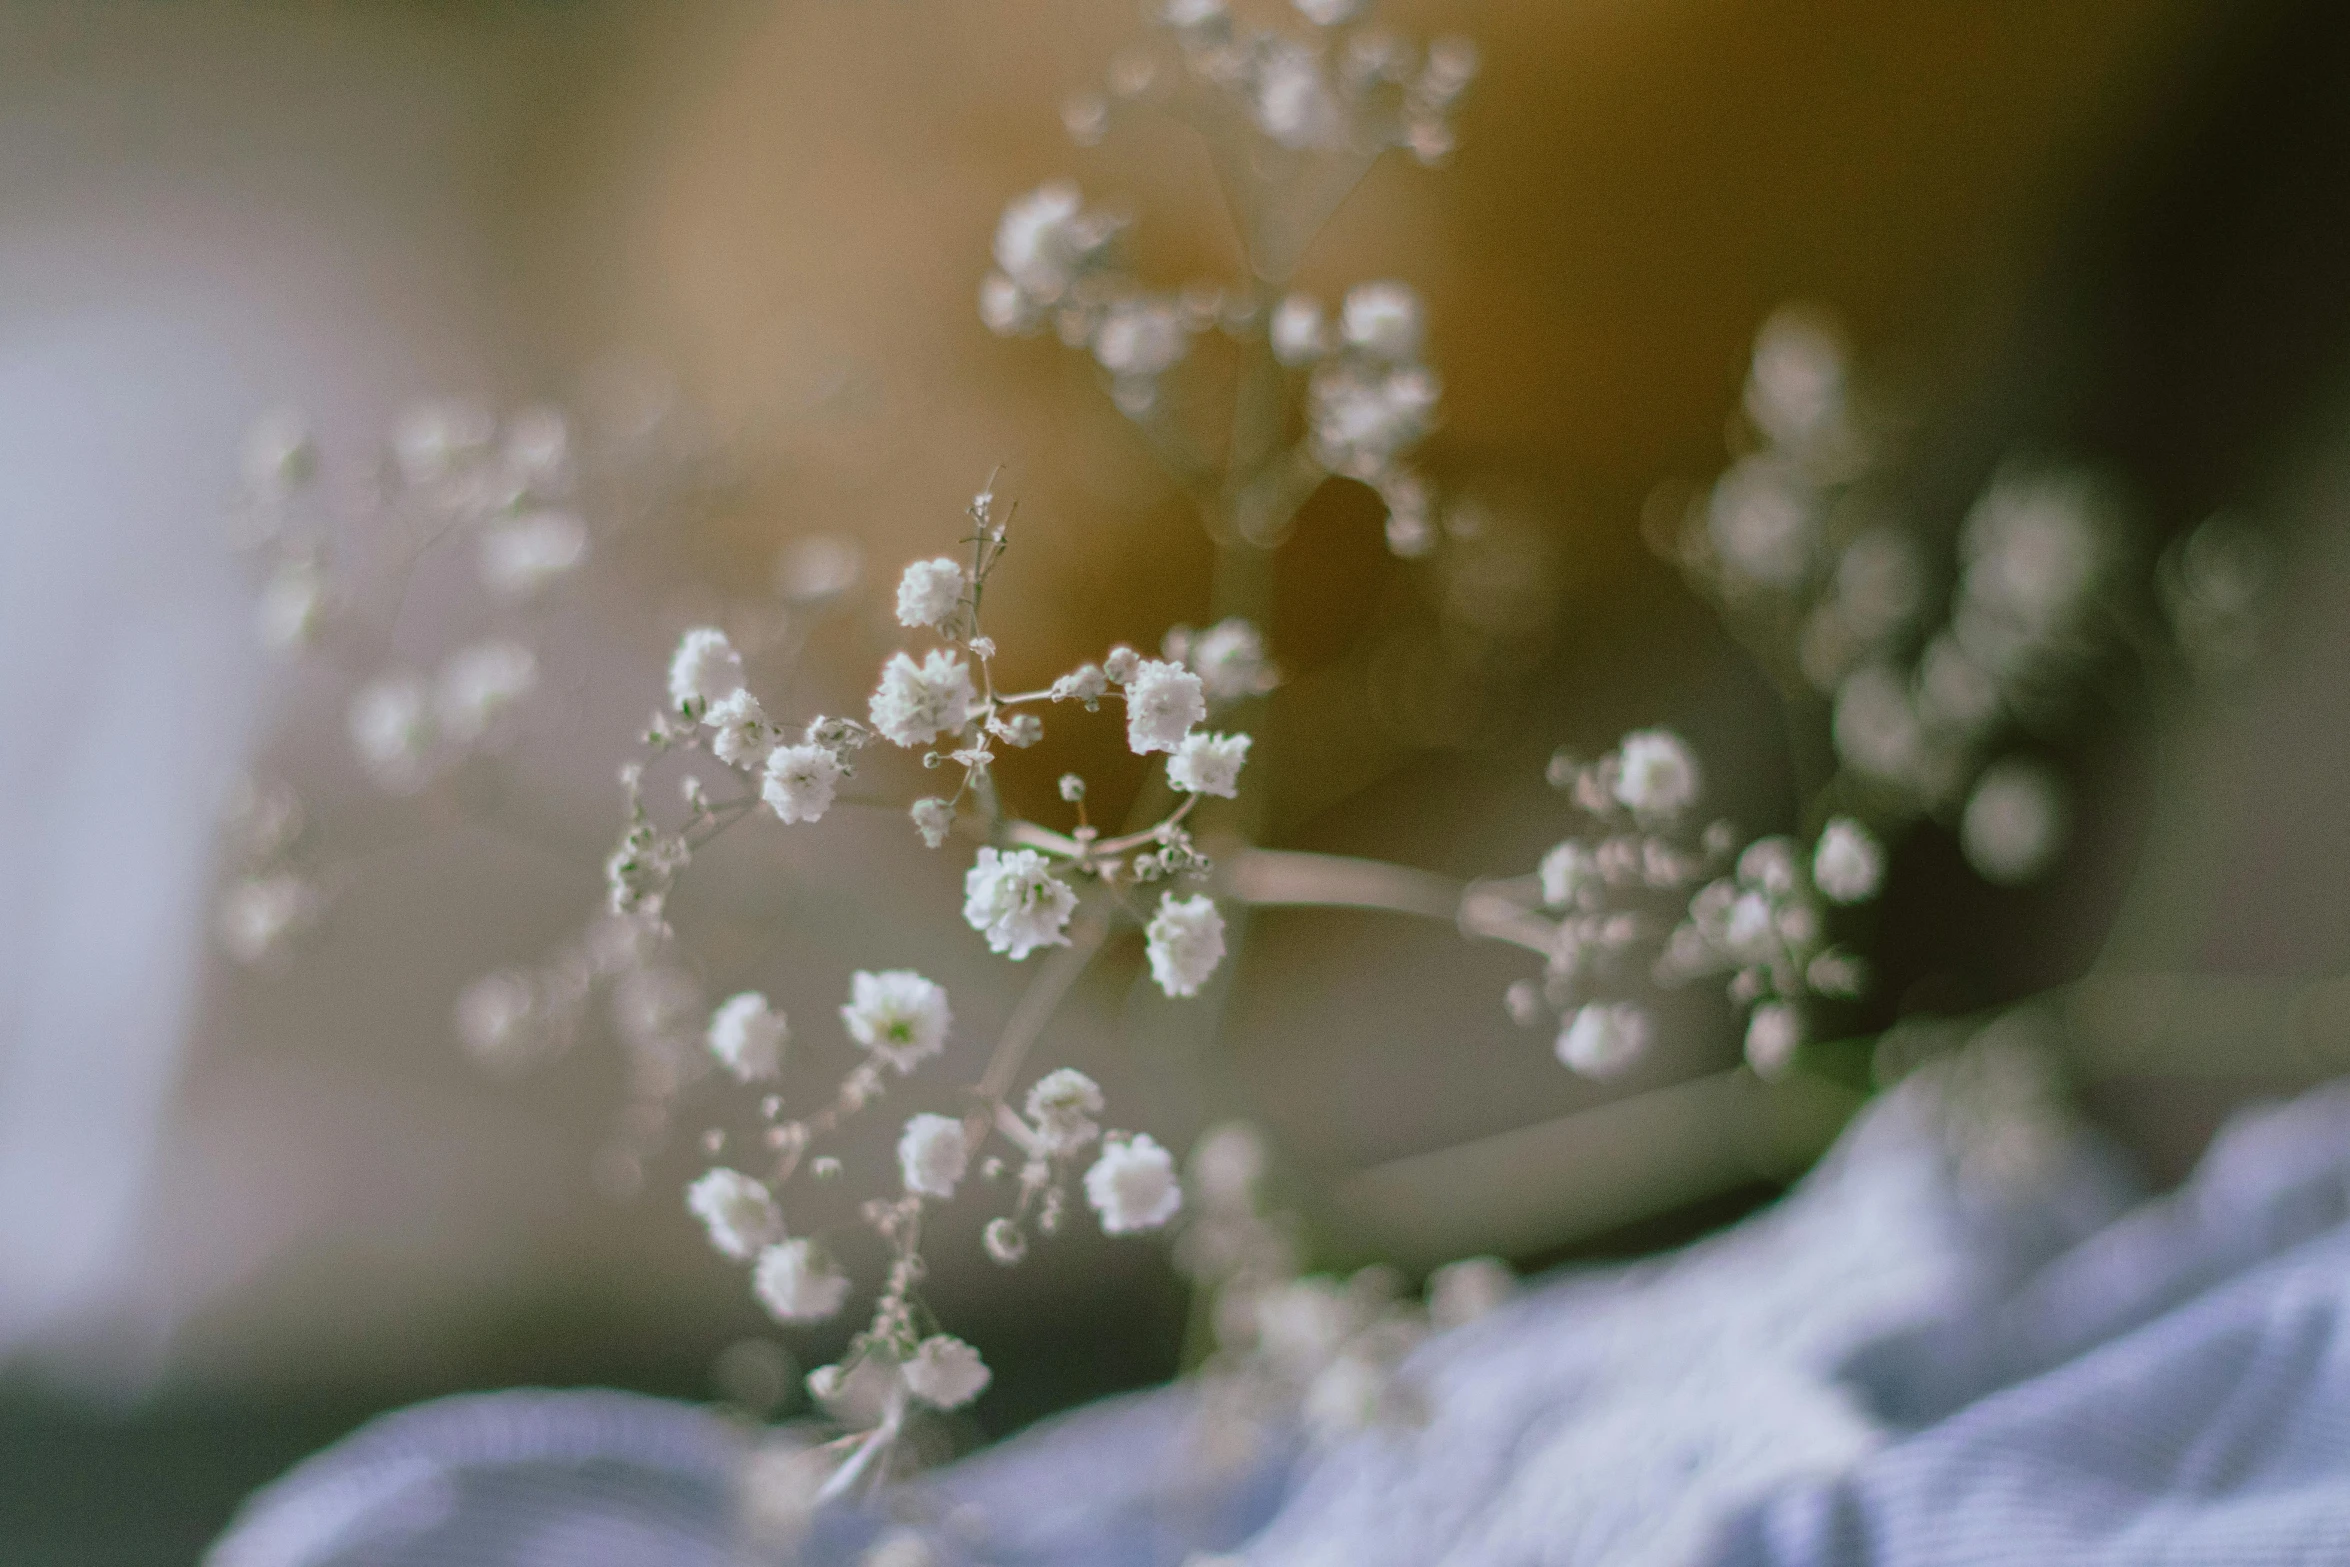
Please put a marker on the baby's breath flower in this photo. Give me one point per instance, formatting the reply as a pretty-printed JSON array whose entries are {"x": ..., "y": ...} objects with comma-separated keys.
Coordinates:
[
  {"x": 279, "y": 452},
  {"x": 738, "y": 1210},
  {"x": 292, "y": 607},
  {"x": 945, "y": 1372},
  {"x": 1086, "y": 684},
  {"x": 1657, "y": 774},
  {"x": 1163, "y": 701},
  {"x": 1364, "y": 417},
  {"x": 934, "y": 819},
  {"x": 747, "y": 1036},
  {"x": 1208, "y": 764},
  {"x": 1132, "y": 1185},
  {"x": 740, "y": 735},
  {"x": 800, "y": 781},
  {"x": 1565, "y": 871},
  {"x": 1016, "y": 902},
  {"x": 1072, "y": 788},
  {"x": 916, "y": 703},
  {"x": 796, "y": 1283},
  {"x": 1603, "y": 1039},
  {"x": 1185, "y": 943},
  {"x": 479, "y": 683},
  {"x": 929, "y": 592},
  {"x": 1122, "y": 664},
  {"x": 1849, "y": 864},
  {"x": 1383, "y": 320},
  {"x": 1140, "y": 338},
  {"x": 933, "y": 1154},
  {"x": 1772, "y": 1035},
  {"x": 1296, "y": 330},
  {"x": 1229, "y": 658},
  {"x": 520, "y": 557},
  {"x": 1045, "y": 240},
  {"x": 1004, "y": 1241},
  {"x": 1061, "y": 1106},
  {"x": 391, "y": 728},
  {"x": 898, "y": 1015},
  {"x": 2014, "y": 822},
  {"x": 257, "y": 914},
  {"x": 705, "y": 670}
]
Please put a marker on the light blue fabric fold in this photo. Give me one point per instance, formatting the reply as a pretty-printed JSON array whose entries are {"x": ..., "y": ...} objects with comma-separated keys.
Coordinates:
[{"x": 1963, "y": 1340}]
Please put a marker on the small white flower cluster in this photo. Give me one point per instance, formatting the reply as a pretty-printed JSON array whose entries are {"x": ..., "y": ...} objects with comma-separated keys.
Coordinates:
[
  {"x": 1764, "y": 926},
  {"x": 1597, "y": 899},
  {"x": 275, "y": 895},
  {"x": 406, "y": 731},
  {"x": 1370, "y": 398},
  {"x": 1336, "y": 88}
]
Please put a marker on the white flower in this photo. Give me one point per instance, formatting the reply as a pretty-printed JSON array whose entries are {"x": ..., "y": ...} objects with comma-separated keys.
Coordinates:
[
  {"x": 1084, "y": 684},
  {"x": 292, "y": 606},
  {"x": 1208, "y": 764},
  {"x": 1121, "y": 664},
  {"x": 1061, "y": 1106},
  {"x": 1294, "y": 104},
  {"x": 479, "y": 683},
  {"x": 432, "y": 438},
  {"x": 898, "y": 1015},
  {"x": 1764, "y": 520},
  {"x": 1003, "y": 309},
  {"x": 740, "y": 735},
  {"x": 929, "y": 592},
  {"x": 705, "y": 670},
  {"x": 1461, "y": 1292},
  {"x": 1383, "y": 320},
  {"x": 2014, "y": 822},
  {"x": 1603, "y": 1039},
  {"x": 739, "y": 1211},
  {"x": 933, "y": 1154},
  {"x": 391, "y": 728},
  {"x": 1016, "y": 902},
  {"x": 1849, "y": 864},
  {"x": 1329, "y": 13},
  {"x": 259, "y": 912},
  {"x": 1044, "y": 240},
  {"x": 1163, "y": 701},
  {"x": 1186, "y": 942},
  {"x": 934, "y": 818},
  {"x": 1769, "y": 863},
  {"x": 1132, "y": 1185},
  {"x": 916, "y": 703},
  {"x": 1229, "y": 658},
  {"x": 1140, "y": 338},
  {"x": 520, "y": 557},
  {"x": 1363, "y": 419},
  {"x": 1565, "y": 871},
  {"x": 1772, "y": 1035},
  {"x": 279, "y": 452},
  {"x": 796, "y": 1284},
  {"x": 945, "y": 1372},
  {"x": 747, "y": 1036},
  {"x": 1750, "y": 930},
  {"x": 1296, "y": 330},
  {"x": 800, "y": 780},
  {"x": 1656, "y": 774}
]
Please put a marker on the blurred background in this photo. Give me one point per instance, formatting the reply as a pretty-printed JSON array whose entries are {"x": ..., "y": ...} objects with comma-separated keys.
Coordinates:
[{"x": 240, "y": 1211}]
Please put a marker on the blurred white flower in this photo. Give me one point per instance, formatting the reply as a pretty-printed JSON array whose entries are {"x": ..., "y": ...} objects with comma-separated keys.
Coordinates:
[
  {"x": 1140, "y": 338},
  {"x": 1461, "y": 1292},
  {"x": 1185, "y": 943},
  {"x": 1296, "y": 330},
  {"x": 747, "y": 1036},
  {"x": 1384, "y": 320},
  {"x": 945, "y": 1372},
  {"x": 934, "y": 818},
  {"x": 1061, "y": 1107},
  {"x": 933, "y": 1154},
  {"x": 1603, "y": 1039},
  {"x": 1016, "y": 902},
  {"x": 898, "y": 1015},
  {"x": 258, "y": 913},
  {"x": 292, "y": 607},
  {"x": 1773, "y": 1034},
  {"x": 480, "y": 683},
  {"x": 1566, "y": 870},
  {"x": 797, "y": 1284},
  {"x": 738, "y": 1210},
  {"x": 521, "y": 556},
  {"x": 2014, "y": 822},
  {"x": 1229, "y": 658},
  {"x": 1763, "y": 520},
  {"x": 279, "y": 453},
  {"x": 1849, "y": 864},
  {"x": 1132, "y": 1186},
  {"x": 1656, "y": 774},
  {"x": 391, "y": 728}
]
